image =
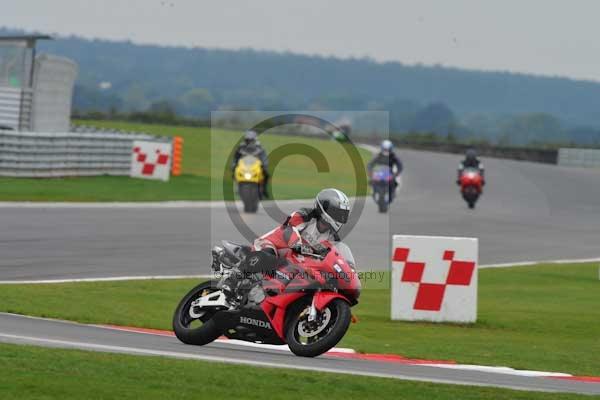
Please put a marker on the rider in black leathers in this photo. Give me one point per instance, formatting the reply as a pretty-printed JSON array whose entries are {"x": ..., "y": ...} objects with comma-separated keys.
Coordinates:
[{"x": 251, "y": 146}]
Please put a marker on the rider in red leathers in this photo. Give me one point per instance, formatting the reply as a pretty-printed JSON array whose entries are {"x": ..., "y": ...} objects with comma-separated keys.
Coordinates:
[
  {"x": 315, "y": 225},
  {"x": 471, "y": 161},
  {"x": 311, "y": 225}
]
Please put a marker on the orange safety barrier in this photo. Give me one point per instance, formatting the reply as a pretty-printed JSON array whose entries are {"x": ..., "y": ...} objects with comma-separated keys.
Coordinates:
[{"x": 177, "y": 156}]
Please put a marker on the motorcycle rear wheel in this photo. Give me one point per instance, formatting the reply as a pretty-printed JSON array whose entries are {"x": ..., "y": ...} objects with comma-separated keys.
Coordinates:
[
  {"x": 208, "y": 331},
  {"x": 307, "y": 340}
]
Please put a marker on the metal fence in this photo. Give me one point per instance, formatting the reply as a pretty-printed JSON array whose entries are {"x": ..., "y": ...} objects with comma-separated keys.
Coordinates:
[
  {"x": 15, "y": 107},
  {"x": 37, "y": 154},
  {"x": 589, "y": 158}
]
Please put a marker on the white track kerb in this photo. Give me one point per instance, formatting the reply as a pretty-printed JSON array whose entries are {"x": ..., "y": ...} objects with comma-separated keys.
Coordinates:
[{"x": 434, "y": 279}]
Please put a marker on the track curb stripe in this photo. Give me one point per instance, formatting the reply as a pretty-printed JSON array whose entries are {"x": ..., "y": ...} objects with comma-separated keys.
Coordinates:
[
  {"x": 587, "y": 379},
  {"x": 222, "y": 339},
  {"x": 146, "y": 352},
  {"x": 352, "y": 354},
  {"x": 336, "y": 354}
]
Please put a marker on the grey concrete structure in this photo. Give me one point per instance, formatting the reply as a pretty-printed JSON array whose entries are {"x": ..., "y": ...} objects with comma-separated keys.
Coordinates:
[{"x": 53, "y": 83}]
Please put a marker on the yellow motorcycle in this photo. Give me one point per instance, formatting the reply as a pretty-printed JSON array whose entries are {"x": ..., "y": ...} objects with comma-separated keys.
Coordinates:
[{"x": 250, "y": 178}]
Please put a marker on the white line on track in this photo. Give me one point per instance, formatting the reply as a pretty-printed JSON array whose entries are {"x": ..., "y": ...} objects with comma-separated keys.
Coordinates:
[
  {"x": 501, "y": 370},
  {"x": 139, "y": 205},
  {"x": 530, "y": 263},
  {"x": 150, "y": 277},
  {"x": 148, "y": 204},
  {"x": 148, "y": 352},
  {"x": 106, "y": 279}
]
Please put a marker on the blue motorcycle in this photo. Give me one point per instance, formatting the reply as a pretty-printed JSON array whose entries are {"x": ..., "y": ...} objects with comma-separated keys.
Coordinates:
[{"x": 382, "y": 180}]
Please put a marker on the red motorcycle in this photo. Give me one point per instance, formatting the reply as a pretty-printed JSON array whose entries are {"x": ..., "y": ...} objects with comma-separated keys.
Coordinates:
[
  {"x": 302, "y": 300},
  {"x": 471, "y": 185}
]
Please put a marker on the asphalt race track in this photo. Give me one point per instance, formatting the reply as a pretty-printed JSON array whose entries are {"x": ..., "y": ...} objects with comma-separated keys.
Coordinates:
[
  {"x": 528, "y": 212},
  {"x": 36, "y": 331}
]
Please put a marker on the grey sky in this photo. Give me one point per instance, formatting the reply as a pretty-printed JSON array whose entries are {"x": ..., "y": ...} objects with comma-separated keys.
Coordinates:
[{"x": 549, "y": 37}]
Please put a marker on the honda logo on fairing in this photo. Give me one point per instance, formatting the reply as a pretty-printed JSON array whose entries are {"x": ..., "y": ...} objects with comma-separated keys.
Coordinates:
[{"x": 255, "y": 322}]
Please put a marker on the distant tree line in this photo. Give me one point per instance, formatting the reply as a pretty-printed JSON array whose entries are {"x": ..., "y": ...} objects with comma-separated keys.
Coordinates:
[
  {"x": 171, "y": 84},
  {"x": 159, "y": 113},
  {"x": 434, "y": 122}
]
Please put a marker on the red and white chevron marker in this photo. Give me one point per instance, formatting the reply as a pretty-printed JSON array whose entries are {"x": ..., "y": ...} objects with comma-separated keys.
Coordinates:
[
  {"x": 150, "y": 160},
  {"x": 434, "y": 278}
]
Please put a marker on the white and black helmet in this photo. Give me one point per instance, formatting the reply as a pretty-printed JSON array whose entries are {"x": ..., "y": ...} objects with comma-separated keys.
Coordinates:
[
  {"x": 333, "y": 207},
  {"x": 387, "y": 145},
  {"x": 250, "y": 136}
]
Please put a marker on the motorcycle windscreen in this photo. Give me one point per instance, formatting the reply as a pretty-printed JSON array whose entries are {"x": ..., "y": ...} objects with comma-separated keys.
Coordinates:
[
  {"x": 345, "y": 252},
  {"x": 249, "y": 161}
]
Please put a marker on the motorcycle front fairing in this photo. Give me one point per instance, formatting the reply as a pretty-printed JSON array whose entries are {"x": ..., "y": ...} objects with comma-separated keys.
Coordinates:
[
  {"x": 249, "y": 169},
  {"x": 381, "y": 176},
  {"x": 471, "y": 177},
  {"x": 305, "y": 276}
]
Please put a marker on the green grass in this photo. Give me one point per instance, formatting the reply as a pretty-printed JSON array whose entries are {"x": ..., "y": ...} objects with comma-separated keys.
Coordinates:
[
  {"x": 38, "y": 373},
  {"x": 205, "y": 159},
  {"x": 104, "y": 188},
  {"x": 544, "y": 317}
]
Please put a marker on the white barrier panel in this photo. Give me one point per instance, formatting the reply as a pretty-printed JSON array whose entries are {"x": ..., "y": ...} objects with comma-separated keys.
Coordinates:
[
  {"x": 80, "y": 153},
  {"x": 434, "y": 279},
  {"x": 151, "y": 160}
]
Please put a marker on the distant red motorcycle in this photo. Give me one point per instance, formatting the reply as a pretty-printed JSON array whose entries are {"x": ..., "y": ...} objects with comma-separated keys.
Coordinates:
[
  {"x": 471, "y": 185},
  {"x": 303, "y": 300}
]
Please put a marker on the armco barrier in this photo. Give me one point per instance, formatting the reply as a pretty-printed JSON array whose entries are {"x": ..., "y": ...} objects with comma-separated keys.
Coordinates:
[
  {"x": 588, "y": 158},
  {"x": 38, "y": 154},
  {"x": 546, "y": 156}
]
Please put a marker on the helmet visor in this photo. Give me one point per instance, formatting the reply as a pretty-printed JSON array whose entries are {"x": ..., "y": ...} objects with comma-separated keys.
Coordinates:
[{"x": 338, "y": 214}]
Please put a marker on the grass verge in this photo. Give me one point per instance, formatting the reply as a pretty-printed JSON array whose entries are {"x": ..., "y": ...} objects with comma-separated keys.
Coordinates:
[
  {"x": 205, "y": 160},
  {"x": 38, "y": 373},
  {"x": 542, "y": 318},
  {"x": 104, "y": 188}
]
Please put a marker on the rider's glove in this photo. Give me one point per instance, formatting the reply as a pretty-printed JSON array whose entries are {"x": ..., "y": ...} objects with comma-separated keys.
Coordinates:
[
  {"x": 322, "y": 252},
  {"x": 300, "y": 248}
]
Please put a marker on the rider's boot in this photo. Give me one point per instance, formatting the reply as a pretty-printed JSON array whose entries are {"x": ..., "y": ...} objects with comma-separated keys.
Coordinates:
[
  {"x": 265, "y": 186},
  {"x": 230, "y": 286}
]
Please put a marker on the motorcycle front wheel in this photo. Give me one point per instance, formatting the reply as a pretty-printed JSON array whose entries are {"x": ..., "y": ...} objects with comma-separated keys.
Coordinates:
[
  {"x": 250, "y": 195},
  {"x": 381, "y": 199},
  {"x": 196, "y": 331},
  {"x": 383, "y": 203},
  {"x": 470, "y": 195},
  {"x": 312, "y": 338}
]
